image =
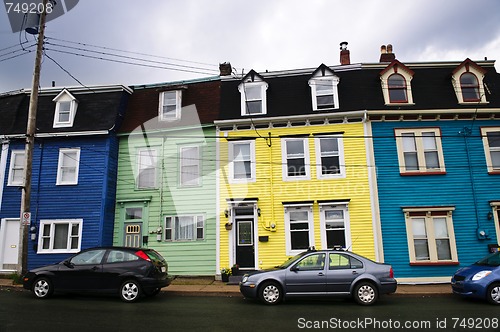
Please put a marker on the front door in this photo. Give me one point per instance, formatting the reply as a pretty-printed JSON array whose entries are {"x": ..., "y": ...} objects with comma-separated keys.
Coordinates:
[
  {"x": 244, "y": 220},
  {"x": 9, "y": 244},
  {"x": 133, "y": 235}
]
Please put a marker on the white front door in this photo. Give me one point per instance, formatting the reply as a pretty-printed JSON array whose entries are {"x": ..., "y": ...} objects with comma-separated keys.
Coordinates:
[{"x": 9, "y": 244}]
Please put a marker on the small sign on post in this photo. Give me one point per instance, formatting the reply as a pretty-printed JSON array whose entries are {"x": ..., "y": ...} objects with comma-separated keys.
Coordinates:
[{"x": 26, "y": 218}]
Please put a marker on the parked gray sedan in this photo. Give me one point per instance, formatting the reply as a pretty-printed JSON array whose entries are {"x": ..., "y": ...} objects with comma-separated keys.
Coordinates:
[{"x": 321, "y": 273}]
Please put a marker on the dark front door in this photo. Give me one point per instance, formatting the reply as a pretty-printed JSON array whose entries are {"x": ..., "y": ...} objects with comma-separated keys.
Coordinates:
[{"x": 245, "y": 246}]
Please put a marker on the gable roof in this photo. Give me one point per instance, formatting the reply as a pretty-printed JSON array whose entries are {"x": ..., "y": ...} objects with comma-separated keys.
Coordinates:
[{"x": 396, "y": 65}]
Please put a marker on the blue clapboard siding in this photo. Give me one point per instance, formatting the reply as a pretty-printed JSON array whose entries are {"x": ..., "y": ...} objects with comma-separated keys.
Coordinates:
[
  {"x": 92, "y": 199},
  {"x": 455, "y": 188}
]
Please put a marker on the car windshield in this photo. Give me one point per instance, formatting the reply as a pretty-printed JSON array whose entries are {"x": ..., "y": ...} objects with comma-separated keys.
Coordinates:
[
  {"x": 290, "y": 261},
  {"x": 490, "y": 260}
]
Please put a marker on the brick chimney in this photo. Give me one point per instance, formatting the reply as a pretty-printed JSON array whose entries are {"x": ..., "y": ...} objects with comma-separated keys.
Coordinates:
[
  {"x": 386, "y": 54},
  {"x": 345, "y": 55},
  {"x": 225, "y": 69}
]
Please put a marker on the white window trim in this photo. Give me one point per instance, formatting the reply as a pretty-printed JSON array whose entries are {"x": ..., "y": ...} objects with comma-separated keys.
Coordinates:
[
  {"x": 330, "y": 79},
  {"x": 62, "y": 152},
  {"x": 347, "y": 224},
  {"x": 430, "y": 234},
  {"x": 10, "y": 181},
  {"x": 319, "y": 167},
  {"x": 198, "y": 159},
  {"x": 154, "y": 151},
  {"x": 194, "y": 216},
  {"x": 420, "y": 150},
  {"x": 487, "y": 151},
  {"x": 231, "y": 156},
  {"x": 455, "y": 79},
  {"x": 52, "y": 229},
  {"x": 242, "y": 88},
  {"x": 178, "y": 107},
  {"x": 284, "y": 159},
  {"x": 396, "y": 69},
  {"x": 65, "y": 96},
  {"x": 288, "y": 238}
]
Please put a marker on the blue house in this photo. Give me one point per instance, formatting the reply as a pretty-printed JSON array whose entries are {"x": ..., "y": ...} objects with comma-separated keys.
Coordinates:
[
  {"x": 435, "y": 129},
  {"x": 74, "y": 171}
]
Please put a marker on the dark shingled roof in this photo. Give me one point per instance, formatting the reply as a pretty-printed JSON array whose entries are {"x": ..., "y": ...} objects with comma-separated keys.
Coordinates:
[{"x": 96, "y": 111}]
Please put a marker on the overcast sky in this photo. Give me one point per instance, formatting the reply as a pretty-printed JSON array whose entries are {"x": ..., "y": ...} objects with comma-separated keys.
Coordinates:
[{"x": 258, "y": 34}]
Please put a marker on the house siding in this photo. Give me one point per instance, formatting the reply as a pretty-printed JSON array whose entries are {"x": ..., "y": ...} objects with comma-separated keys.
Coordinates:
[
  {"x": 457, "y": 188},
  {"x": 271, "y": 191}
]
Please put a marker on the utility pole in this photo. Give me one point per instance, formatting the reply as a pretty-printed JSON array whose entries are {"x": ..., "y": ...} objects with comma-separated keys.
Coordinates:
[{"x": 28, "y": 154}]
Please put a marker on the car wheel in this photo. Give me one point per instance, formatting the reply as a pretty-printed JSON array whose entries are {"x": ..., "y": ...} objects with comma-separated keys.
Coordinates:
[
  {"x": 365, "y": 293},
  {"x": 271, "y": 293},
  {"x": 494, "y": 293},
  {"x": 42, "y": 288},
  {"x": 130, "y": 291}
]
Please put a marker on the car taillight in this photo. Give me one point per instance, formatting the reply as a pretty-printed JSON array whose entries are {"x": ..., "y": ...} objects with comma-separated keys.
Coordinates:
[
  {"x": 142, "y": 254},
  {"x": 391, "y": 273}
]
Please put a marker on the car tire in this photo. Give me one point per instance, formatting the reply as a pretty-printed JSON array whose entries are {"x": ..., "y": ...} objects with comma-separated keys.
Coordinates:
[
  {"x": 42, "y": 288},
  {"x": 130, "y": 291},
  {"x": 365, "y": 293},
  {"x": 270, "y": 293},
  {"x": 493, "y": 293}
]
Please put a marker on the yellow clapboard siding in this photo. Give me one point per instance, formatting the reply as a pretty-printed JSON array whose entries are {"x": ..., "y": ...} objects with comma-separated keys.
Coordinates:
[{"x": 272, "y": 191}]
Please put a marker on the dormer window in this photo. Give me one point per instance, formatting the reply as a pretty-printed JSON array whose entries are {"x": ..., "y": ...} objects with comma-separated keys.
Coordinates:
[
  {"x": 170, "y": 105},
  {"x": 467, "y": 80},
  {"x": 65, "y": 112},
  {"x": 253, "y": 95},
  {"x": 324, "y": 89},
  {"x": 396, "y": 84}
]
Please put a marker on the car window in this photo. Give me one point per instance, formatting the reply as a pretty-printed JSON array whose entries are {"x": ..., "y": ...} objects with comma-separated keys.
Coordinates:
[
  {"x": 89, "y": 257},
  {"x": 490, "y": 260},
  {"x": 118, "y": 256},
  {"x": 312, "y": 262},
  {"x": 154, "y": 255},
  {"x": 340, "y": 261}
]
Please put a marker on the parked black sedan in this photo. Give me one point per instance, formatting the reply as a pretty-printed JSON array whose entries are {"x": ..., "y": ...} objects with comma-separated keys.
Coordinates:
[
  {"x": 321, "y": 273},
  {"x": 129, "y": 272}
]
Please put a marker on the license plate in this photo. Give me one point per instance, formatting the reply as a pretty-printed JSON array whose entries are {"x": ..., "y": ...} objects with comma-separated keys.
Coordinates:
[{"x": 163, "y": 269}]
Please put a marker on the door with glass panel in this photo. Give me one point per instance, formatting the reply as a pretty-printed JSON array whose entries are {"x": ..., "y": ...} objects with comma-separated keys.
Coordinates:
[{"x": 244, "y": 219}]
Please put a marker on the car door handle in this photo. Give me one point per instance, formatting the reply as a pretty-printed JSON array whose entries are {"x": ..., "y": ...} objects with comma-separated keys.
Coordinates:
[
  {"x": 95, "y": 268},
  {"x": 321, "y": 274},
  {"x": 354, "y": 272}
]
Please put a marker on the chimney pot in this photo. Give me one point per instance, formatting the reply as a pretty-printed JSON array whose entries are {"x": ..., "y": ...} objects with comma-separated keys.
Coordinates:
[
  {"x": 386, "y": 54},
  {"x": 225, "y": 69}
]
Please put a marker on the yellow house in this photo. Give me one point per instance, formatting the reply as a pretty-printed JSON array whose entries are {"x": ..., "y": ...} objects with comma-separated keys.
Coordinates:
[{"x": 289, "y": 183}]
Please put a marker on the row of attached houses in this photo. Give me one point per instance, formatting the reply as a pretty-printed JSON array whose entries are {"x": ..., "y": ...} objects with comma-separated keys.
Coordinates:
[{"x": 399, "y": 162}]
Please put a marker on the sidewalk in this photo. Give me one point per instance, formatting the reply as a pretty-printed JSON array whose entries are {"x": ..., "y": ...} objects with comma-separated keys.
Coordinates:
[{"x": 209, "y": 287}]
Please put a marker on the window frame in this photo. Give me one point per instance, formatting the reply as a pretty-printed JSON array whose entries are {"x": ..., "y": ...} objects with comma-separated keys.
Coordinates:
[
  {"x": 343, "y": 206},
  {"x": 397, "y": 67},
  {"x": 62, "y": 153},
  {"x": 310, "y": 221},
  {"x": 198, "y": 165},
  {"x": 420, "y": 151},
  {"x": 468, "y": 66},
  {"x": 475, "y": 87},
  {"x": 428, "y": 214},
  {"x": 13, "y": 168},
  {"x": 178, "y": 105},
  {"x": 231, "y": 156},
  {"x": 323, "y": 80},
  {"x": 51, "y": 237},
  {"x": 65, "y": 97},
  {"x": 174, "y": 223},
  {"x": 402, "y": 88},
  {"x": 263, "y": 97},
  {"x": 307, "y": 159},
  {"x": 488, "y": 150},
  {"x": 319, "y": 161},
  {"x": 140, "y": 167}
]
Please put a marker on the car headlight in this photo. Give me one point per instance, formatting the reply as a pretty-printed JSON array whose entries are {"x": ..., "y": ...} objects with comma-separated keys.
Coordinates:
[
  {"x": 245, "y": 279},
  {"x": 480, "y": 275}
]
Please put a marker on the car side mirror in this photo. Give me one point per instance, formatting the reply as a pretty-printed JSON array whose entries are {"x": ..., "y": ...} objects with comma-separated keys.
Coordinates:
[
  {"x": 295, "y": 268},
  {"x": 68, "y": 264}
]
